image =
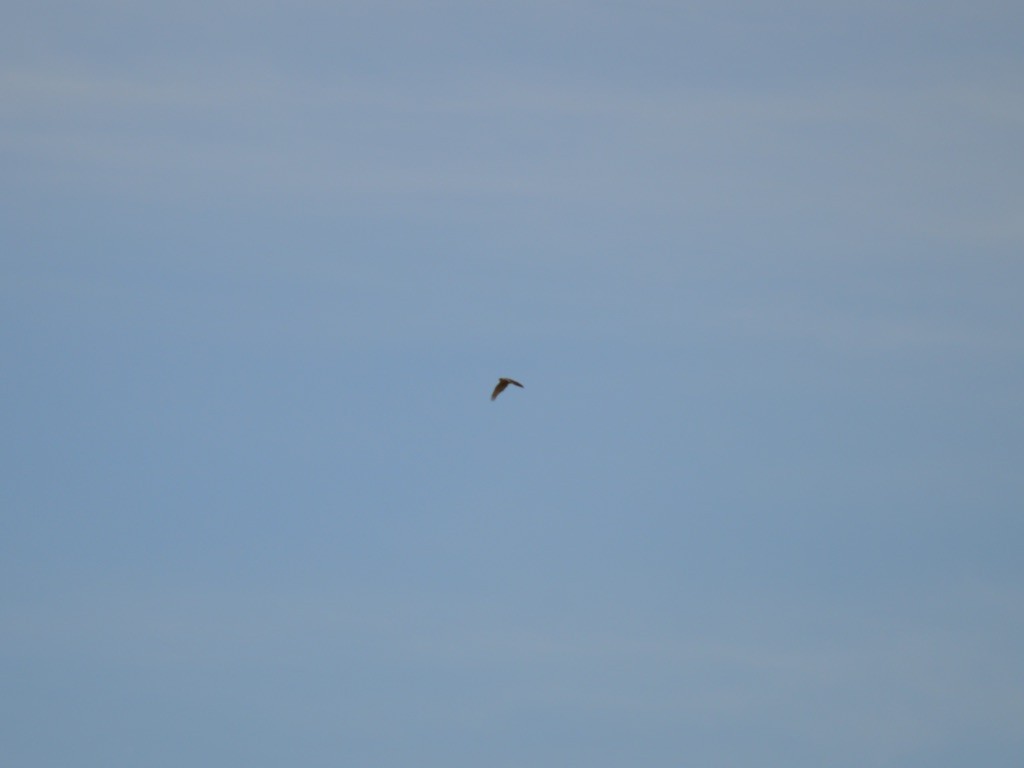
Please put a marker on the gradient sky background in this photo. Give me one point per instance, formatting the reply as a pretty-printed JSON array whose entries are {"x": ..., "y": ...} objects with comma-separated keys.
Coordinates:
[{"x": 759, "y": 266}]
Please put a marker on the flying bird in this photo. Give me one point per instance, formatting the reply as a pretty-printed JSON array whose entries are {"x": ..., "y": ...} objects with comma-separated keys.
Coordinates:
[{"x": 502, "y": 383}]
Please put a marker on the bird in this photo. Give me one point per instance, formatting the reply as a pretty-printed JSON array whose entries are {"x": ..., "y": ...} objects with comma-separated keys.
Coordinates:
[{"x": 502, "y": 383}]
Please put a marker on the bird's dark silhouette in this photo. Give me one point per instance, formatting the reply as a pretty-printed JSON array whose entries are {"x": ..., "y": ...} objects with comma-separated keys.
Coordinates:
[{"x": 502, "y": 383}]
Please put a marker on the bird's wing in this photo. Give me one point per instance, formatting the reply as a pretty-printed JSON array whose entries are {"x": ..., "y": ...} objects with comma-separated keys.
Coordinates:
[
  {"x": 513, "y": 381},
  {"x": 499, "y": 388}
]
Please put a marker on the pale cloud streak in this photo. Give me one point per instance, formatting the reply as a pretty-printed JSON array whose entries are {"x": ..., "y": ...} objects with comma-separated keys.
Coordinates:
[{"x": 702, "y": 154}]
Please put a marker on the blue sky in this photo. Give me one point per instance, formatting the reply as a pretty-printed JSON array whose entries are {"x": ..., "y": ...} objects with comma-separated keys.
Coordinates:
[{"x": 758, "y": 265}]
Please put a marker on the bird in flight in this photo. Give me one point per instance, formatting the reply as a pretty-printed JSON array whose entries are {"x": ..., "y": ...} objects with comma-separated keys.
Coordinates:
[{"x": 502, "y": 383}]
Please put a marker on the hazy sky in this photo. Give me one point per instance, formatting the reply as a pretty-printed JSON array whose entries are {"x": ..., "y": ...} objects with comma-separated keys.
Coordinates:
[{"x": 759, "y": 266}]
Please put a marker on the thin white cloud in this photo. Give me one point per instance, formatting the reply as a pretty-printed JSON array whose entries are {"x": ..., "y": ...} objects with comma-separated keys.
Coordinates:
[
  {"x": 888, "y": 679},
  {"x": 895, "y": 157}
]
